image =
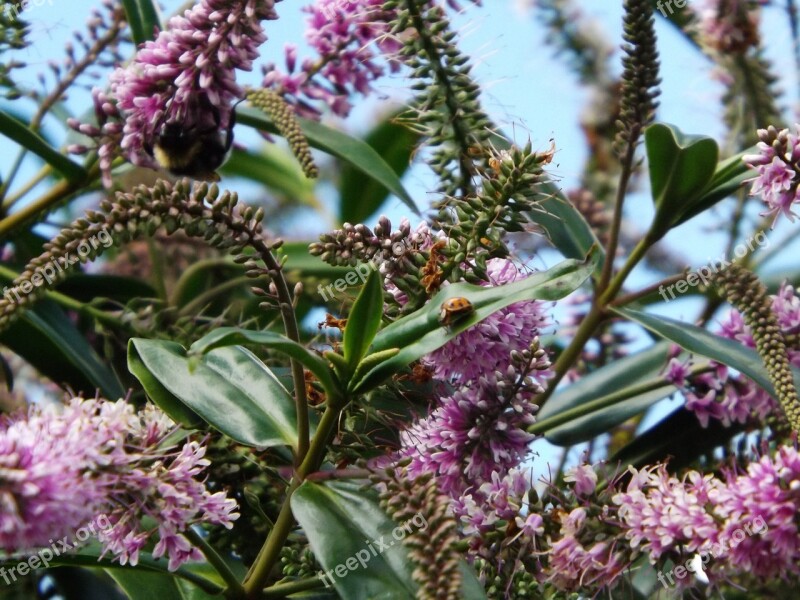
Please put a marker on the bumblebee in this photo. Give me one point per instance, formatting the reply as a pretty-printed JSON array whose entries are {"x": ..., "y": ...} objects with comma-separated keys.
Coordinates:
[
  {"x": 455, "y": 309},
  {"x": 192, "y": 152}
]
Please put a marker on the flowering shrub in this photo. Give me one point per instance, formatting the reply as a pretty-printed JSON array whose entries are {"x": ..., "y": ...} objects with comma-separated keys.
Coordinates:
[{"x": 394, "y": 435}]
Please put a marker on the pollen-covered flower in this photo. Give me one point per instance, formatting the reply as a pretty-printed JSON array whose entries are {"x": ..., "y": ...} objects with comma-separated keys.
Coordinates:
[
  {"x": 59, "y": 470},
  {"x": 486, "y": 346},
  {"x": 778, "y": 170}
]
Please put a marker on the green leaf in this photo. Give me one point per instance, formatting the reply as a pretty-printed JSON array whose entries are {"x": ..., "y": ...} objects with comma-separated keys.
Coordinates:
[
  {"x": 158, "y": 393},
  {"x": 139, "y": 584},
  {"x": 680, "y": 166},
  {"x": 143, "y": 19},
  {"x": 228, "y": 336},
  {"x": 15, "y": 130},
  {"x": 230, "y": 388},
  {"x": 48, "y": 339},
  {"x": 276, "y": 169},
  {"x": 699, "y": 341},
  {"x": 341, "y": 523},
  {"x": 729, "y": 177},
  {"x": 564, "y": 226},
  {"x": 360, "y": 197},
  {"x": 363, "y": 320},
  {"x": 356, "y": 152},
  {"x": 421, "y": 332},
  {"x": 638, "y": 375}
]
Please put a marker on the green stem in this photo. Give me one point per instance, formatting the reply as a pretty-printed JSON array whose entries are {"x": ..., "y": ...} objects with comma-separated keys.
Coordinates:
[
  {"x": 235, "y": 588},
  {"x": 595, "y": 316},
  {"x": 286, "y": 589},
  {"x": 43, "y": 173},
  {"x": 60, "y": 191},
  {"x": 270, "y": 551}
]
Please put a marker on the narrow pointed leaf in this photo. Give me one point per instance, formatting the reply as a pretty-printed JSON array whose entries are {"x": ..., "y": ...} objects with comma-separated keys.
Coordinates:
[
  {"x": 699, "y": 341},
  {"x": 47, "y": 338},
  {"x": 356, "y": 152},
  {"x": 363, "y": 320},
  {"x": 360, "y": 198},
  {"x": 143, "y": 19},
  {"x": 421, "y": 332},
  {"x": 15, "y": 130},
  {"x": 627, "y": 373}
]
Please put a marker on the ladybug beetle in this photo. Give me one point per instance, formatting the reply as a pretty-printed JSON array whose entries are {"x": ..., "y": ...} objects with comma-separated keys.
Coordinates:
[{"x": 454, "y": 309}]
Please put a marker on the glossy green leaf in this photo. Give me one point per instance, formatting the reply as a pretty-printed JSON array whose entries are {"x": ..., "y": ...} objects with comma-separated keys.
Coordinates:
[
  {"x": 680, "y": 166},
  {"x": 360, "y": 197},
  {"x": 563, "y": 225},
  {"x": 229, "y": 388},
  {"x": 729, "y": 177},
  {"x": 363, "y": 320},
  {"x": 421, "y": 332},
  {"x": 228, "y": 336},
  {"x": 143, "y": 19},
  {"x": 344, "y": 523},
  {"x": 699, "y": 341},
  {"x": 158, "y": 393},
  {"x": 637, "y": 373},
  {"x": 356, "y": 152},
  {"x": 15, "y": 130},
  {"x": 276, "y": 169},
  {"x": 192, "y": 578},
  {"x": 49, "y": 340},
  {"x": 339, "y": 520},
  {"x": 140, "y": 584}
]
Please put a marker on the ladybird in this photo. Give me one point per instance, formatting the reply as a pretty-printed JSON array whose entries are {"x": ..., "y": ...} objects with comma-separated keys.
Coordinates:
[{"x": 454, "y": 309}]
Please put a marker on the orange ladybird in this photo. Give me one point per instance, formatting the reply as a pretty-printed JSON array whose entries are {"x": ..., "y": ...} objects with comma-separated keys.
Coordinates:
[{"x": 454, "y": 309}]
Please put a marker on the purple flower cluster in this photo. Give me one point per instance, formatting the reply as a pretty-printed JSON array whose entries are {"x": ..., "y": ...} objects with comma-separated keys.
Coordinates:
[
  {"x": 185, "y": 76},
  {"x": 729, "y": 26},
  {"x": 660, "y": 512},
  {"x": 355, "y": 46},
  {"x": 349, "y": 37},
  {"x": 723, "y": 395},
  {"x": 747, "y": 521},
  {"x": 61, "y": 469},
  {"x": 778, "y": 170},
  {"x": 486, "y": 347},
  {"x": 576, "y": 561},
  {"x": 472, "y": 435}
]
